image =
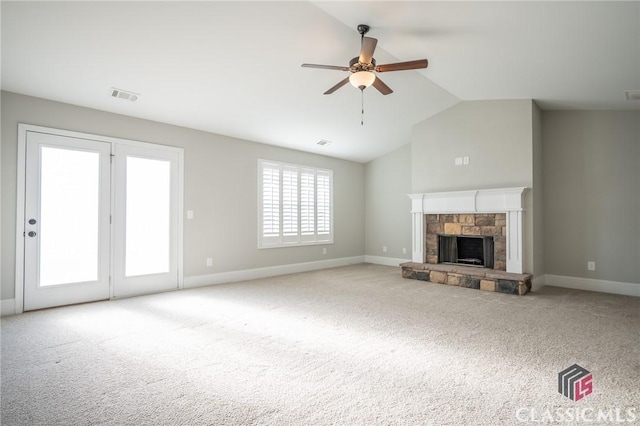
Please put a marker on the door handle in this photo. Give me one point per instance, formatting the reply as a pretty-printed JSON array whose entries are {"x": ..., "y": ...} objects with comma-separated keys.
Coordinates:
[{"x": 32, "y": 233}]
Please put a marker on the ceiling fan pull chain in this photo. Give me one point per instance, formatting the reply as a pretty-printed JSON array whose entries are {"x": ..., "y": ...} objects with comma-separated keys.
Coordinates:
[{"x": 362, "y": 107}]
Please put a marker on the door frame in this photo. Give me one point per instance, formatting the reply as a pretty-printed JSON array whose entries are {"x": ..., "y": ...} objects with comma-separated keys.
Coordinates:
[{"x": 23, "y": 129}]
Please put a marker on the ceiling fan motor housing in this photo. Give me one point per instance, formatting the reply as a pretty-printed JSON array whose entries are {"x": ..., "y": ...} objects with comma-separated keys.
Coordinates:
[{"x": 355, "y": 65}]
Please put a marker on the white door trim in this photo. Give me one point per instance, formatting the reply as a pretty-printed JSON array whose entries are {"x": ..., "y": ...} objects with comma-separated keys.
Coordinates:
[{"x": 20, "y": 197}]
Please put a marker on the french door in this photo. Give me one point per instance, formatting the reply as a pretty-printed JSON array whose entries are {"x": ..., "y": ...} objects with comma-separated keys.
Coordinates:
[
  {"x": 145, "y": 220},
  {"x": 101, "y": 218},
  {"x": 66, "y": 235}
]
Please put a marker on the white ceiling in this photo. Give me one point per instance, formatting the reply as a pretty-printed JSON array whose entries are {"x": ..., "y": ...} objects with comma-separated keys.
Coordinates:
[{"x": 233, "y": 68}]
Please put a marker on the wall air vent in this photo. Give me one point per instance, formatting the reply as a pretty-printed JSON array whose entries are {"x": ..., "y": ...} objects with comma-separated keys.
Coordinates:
[
  {"x": 124, "y": 94},
  {"x": 632, "y": 95}
]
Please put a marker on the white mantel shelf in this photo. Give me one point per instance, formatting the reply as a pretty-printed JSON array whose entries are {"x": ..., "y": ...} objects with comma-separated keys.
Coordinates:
[{"x": 500, "y": 200}]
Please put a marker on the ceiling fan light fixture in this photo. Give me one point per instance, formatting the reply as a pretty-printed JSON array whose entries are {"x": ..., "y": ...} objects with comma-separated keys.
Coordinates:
[{"x": 362, "y": 79}]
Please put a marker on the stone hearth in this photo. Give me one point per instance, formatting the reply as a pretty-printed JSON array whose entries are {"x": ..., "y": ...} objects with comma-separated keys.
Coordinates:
[{"x": 469, "y": 277}]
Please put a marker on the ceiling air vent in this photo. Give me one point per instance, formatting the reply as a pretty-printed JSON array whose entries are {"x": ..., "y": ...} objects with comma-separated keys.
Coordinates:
[
  {"x": 323, "y": 142},
  {"x": 632, "y": 95},
  {"x": 123, "y": 94}
]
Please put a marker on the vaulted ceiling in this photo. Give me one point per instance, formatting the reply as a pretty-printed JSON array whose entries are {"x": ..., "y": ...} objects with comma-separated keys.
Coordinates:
[{"x": 233, "y": 68}]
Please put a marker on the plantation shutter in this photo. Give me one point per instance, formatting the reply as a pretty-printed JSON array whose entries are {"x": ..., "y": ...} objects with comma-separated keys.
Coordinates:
[
  {"x": 270, "y": 204},
  {"x": 307, "y": 205},
  {"x": 323, "y": 205},
  {"x": 295, "y": 205},
  {"x": 290, "y": 233}
]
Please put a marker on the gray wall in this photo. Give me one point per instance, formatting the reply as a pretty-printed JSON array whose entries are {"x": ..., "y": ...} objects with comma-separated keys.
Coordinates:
[
  {"x": 220, "y": 186},
  {"x": 496, "y": 135},
  {"x": 387, "y": 181},
  {"x": 592, "y": 194},
  {"x": 582, "y": 168},
  {"x": 498, "y": 138}
]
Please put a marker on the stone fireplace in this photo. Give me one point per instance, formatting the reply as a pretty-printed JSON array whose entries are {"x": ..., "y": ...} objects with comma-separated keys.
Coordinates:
[{"x": 469, "y": 238}]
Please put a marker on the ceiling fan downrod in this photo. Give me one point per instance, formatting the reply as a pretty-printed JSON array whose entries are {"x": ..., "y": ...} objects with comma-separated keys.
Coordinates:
[{"x": 362, "y": 29}]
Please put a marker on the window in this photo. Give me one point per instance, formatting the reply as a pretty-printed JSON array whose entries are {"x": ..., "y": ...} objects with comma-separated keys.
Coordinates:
[{"x": 295, "y": 205}]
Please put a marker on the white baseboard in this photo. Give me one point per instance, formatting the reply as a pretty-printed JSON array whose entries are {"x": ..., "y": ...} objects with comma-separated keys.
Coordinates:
[
  {"x": 589, "y": 284},
  {"x": 7, "y": 307},
  {"x": 387, "y": 261},
  {"x": 271, "y": 271}
]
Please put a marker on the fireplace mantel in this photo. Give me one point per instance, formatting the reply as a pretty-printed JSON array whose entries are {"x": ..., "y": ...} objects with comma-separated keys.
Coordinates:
[{"x": 501, "y": 200}]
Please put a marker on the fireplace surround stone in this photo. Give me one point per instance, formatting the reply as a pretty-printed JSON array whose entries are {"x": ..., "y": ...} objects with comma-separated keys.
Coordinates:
[{"x": 482, "y": 224}]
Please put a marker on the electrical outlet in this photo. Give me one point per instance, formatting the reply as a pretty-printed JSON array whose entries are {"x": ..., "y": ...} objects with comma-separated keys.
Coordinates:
[
  {"x": 209, "y": 261},
  {"x": 465, "y": 161},
  {"x": 189, "y": 214},
  {"x": 591, "y": 265},
  {"x": 404, "y": 250},
  {"x": 324, "y": 250},
  {"x": 384, "y": 249}
]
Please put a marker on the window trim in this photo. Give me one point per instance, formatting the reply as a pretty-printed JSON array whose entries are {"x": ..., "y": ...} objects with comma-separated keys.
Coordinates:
[{"x": 282, "y": 240}]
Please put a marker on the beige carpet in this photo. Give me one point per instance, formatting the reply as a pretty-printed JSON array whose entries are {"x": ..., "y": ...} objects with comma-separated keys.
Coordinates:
[{"x": 357, "y": 345}]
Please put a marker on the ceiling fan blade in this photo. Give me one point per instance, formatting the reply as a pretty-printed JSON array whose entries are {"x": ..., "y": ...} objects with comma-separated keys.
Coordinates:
[
  {"x": 337, "y": 86},
  {"x": 403, "y": 66},
  {"x": 368, "y": 47},
  {"x": 326, "y": 67},
  {"x": 382, "y": 88}
]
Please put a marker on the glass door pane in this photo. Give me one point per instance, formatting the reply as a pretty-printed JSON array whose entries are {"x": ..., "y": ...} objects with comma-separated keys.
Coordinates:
[
  {"x": 148, "y": 216},
  {"x": 147, "y": 221},
  {"x": 69, "y": 215}
]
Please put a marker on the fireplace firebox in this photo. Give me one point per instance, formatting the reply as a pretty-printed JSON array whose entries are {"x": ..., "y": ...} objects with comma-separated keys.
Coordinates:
[{"x": 466, "y": 250}]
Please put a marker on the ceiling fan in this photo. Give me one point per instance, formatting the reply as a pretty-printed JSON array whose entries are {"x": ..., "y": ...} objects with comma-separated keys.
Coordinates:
[{"x": 363, "y": 67}]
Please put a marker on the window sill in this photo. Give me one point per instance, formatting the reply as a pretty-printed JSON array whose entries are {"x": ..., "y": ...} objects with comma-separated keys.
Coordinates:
[{"x": 285, "y": 245}]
